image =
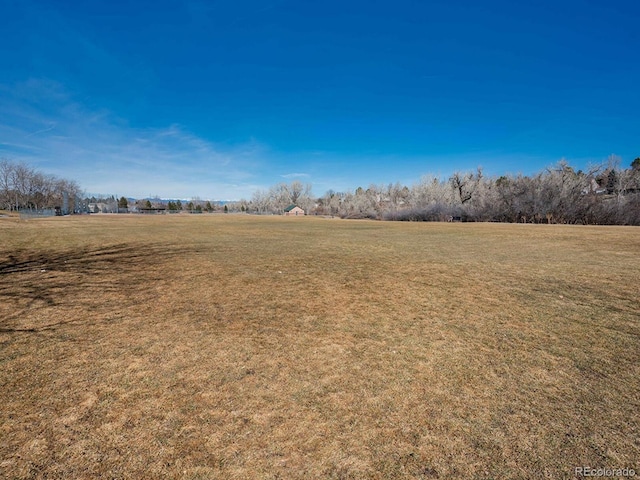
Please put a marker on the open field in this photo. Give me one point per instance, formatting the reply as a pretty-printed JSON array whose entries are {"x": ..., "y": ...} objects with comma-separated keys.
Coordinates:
[{"x": 236, "y": 347}]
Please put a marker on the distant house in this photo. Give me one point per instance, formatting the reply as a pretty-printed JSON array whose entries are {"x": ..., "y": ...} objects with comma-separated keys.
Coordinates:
[
  {"x": 294, "y": 211},
  {"x": 594, "y": 188},
  {"x": 100, "y": 207}
]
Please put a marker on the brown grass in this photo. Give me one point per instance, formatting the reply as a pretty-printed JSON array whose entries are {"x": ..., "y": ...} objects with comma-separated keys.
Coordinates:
[{"x": 238, "y": 347}]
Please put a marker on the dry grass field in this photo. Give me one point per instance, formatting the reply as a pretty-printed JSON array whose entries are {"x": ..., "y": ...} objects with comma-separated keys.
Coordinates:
[{"x": 241, "y": 347}]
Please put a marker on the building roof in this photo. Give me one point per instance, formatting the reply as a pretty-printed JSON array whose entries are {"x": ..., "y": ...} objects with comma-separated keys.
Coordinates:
[{"x": 290, "y": 207}]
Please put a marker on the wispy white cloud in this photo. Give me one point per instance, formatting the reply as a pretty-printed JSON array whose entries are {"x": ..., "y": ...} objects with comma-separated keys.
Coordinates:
[
  {"x": 44, "y": 126},
  {"x": 48, "y": 129},
  {"x": 295, "y": 175}
]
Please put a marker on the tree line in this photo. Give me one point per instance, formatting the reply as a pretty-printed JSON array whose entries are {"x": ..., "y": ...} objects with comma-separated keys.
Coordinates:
[
  {"x": 604, "y": 194},
  {"x": 22, "y": 187},
  {"x": 110, "y": 204}
]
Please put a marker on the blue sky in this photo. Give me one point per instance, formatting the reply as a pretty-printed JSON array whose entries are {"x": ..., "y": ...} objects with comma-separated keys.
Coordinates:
[{"x": 219, "y": 98}]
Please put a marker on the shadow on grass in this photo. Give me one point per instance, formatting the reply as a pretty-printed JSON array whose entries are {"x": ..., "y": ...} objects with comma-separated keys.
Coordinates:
[{"x": 90, "y": 278}]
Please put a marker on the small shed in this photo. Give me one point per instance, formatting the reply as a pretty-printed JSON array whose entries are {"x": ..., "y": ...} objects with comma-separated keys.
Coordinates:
[{"x": 293, "y": 211}]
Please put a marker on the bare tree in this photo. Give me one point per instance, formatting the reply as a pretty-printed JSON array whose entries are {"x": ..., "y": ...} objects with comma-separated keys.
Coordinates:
[
  {"x": 23, "y": 187},
  {"x": 6, "y": 184},
  {"x": 296, "y": 193},
  {"x": 260, "y": 202},
  {"x": 465, "y": 184}
]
